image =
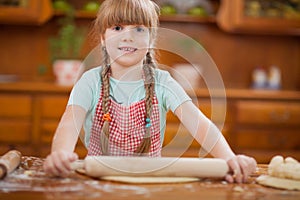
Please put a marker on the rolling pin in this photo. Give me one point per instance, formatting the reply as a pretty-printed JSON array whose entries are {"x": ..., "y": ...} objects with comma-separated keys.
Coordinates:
[
  {"x": 9, "y": 162},
  {"x": 98, "y": 166}
]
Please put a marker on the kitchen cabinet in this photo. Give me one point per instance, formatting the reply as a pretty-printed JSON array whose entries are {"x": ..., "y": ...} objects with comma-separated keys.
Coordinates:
[
  {"x": 49, "y": 119},
  {"x": 15, "y": 121},
  {"x": 29, "y": 12},
  {"x": 178, "y": 137},
  {"x": 268, "y": 113},
  {"x": 29, "y": 115},
  {"x": 259, "y": 123},
  {"x": 182, "y": 11},
  {"x": 249, "y": 16},
  {"x": 230, "y": 15},
  {"x": 181, "y": 16},
  {"x": 272, "y": 127}
]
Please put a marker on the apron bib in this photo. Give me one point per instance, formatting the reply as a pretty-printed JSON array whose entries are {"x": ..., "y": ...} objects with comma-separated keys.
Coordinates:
[{"x": 126, "y": 129}]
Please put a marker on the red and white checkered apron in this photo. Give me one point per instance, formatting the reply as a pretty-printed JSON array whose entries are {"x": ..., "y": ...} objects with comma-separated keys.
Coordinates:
[{"x": 126, "y": 129}]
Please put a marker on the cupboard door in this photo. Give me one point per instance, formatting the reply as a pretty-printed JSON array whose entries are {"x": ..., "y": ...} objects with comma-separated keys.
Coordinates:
[
  {"x": 15, "y": 106},
  {"x": 15, "y": 116},
  {"x": 53, "y": 106},
  {"x": 15, "y": 131},
  {"x": 238, "y": 16},
  {"x": 268, "y": 139},
  {"x": 32, "y": 12},
  {"x": 47, "y": 130},
  {"x": 268, "y": 113}
]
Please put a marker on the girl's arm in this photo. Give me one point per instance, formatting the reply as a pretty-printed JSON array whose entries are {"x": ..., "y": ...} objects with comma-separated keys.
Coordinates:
[
  {"x": 64, "y": 141},
  {"x": 213, "y": 141}
]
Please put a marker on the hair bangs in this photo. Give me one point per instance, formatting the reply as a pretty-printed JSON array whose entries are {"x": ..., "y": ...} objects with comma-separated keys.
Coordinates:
[
  {"x": 129, "y": 13},
  {"x": 126, "y": 12}
]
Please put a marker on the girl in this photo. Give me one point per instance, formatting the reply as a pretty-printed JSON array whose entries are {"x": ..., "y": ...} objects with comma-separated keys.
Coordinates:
[{"x": 122, "y": 105}]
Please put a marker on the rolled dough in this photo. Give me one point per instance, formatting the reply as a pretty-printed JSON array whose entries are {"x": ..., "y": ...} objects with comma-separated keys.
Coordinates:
[
  {"x": 144, "y": 179},
  {"x": 282, "y": 183}
]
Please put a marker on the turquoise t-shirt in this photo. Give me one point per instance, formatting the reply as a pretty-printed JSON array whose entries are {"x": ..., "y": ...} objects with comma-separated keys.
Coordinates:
[{"x": 86, "y": 93}]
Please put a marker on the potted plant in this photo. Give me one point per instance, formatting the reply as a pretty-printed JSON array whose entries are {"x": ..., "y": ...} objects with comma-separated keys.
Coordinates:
[{"x": 65, "y": 49}]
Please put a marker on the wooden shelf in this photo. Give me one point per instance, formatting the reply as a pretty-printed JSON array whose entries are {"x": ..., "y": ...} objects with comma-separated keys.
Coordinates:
[
  {"x": 81, "y": 14},
  {"x": 28, "y": 86},
  {"x": 187, "y": 18},
  {"x": 85, "y": 14},
  {"x": 248, "y": 94}
]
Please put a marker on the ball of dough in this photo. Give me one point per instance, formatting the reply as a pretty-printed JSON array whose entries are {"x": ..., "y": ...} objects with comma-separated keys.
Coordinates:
[
  {"x": 275, "y": 166},
  {"x": 290, "y": 160},
  {"x": 276, "y": 160},
  {"x": 288, "y": 168}
]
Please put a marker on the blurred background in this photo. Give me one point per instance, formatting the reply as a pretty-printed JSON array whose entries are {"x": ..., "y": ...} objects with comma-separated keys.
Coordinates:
[{"x": 254, "y": 43}]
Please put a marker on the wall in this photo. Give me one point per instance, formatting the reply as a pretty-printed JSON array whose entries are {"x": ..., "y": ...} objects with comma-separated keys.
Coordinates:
[
  {"x": 236, "y": 55},
  {"x": 24, "y": 49}
]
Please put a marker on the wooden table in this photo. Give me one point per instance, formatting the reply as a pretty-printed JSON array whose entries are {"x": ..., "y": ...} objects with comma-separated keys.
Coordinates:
[{"x": 30, "y": 182}]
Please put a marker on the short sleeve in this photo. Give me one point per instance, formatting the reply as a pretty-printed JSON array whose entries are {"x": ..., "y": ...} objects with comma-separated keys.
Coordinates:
[
  {"x": 172, "y": 92},
  {"x": 86, "y": 89}
]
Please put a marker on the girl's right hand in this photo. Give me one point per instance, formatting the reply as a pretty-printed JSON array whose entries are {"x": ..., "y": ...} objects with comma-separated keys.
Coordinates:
[
  {"x": 241, "y": 167},
  {"x": 58, "y": 163}
]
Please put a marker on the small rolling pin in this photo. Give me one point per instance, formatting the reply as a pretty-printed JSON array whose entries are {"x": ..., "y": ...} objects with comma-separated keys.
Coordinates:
[{"x": 9, "y": 162}]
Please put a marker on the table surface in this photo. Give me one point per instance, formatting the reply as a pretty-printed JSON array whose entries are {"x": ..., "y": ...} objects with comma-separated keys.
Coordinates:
[{"x": 30, "y": 182}]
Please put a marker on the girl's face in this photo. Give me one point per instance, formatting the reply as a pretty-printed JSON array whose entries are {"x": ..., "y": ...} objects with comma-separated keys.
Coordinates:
[{"x": 127, "y": 45}]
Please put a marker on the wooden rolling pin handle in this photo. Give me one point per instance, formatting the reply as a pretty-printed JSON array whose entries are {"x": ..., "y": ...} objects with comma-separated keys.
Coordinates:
[
  {"x": 9, "y": 162},
  {"x": 78, "y": 164}
]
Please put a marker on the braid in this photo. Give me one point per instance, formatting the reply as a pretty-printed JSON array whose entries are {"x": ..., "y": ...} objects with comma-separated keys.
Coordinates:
[
  {"x": 148, "y": 68},
  {"x": 104, "y": 136}
]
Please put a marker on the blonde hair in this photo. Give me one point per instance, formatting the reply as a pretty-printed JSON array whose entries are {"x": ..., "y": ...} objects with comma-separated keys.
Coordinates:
[{"x": 127, "y": 12}]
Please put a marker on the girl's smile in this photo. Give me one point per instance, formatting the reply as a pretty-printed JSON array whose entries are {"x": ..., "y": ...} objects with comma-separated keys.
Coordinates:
[{"x": 127, "y": 49}]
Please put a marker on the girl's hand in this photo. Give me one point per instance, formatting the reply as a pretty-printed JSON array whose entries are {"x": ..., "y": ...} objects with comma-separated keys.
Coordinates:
[
  {"x": 241, "y": 167},
  {"x": 58, "y": 163}
]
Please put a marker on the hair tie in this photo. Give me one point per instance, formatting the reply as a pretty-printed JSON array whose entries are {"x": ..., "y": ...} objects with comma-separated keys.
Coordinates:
[
  {"x": 148, "y": 122},
  {"x": 106, "y": 117}
]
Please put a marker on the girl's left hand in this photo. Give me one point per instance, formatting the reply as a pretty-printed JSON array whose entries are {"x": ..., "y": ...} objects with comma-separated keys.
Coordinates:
[{"x": 241, "y": 167}]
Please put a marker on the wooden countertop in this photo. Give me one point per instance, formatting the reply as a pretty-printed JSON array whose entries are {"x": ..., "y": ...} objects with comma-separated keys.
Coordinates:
[
  {"x": 232, "y": 93},
  {"x": 30, "y": 182}
]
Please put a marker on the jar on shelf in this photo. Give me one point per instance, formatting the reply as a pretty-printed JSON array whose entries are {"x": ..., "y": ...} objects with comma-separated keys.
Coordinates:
[{"x": 259, "y": 78}]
